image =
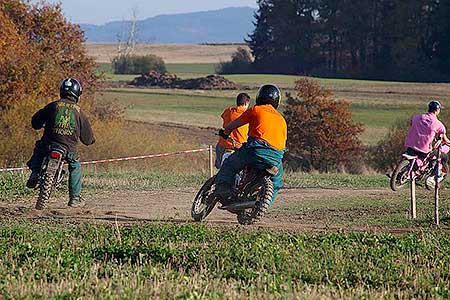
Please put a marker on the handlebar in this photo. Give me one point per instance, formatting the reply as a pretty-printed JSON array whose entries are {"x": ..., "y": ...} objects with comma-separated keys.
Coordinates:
[{"x": 233, "y": 141}]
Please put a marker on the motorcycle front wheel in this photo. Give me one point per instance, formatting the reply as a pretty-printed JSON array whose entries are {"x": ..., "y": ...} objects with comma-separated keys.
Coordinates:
[
  {"x": 204, "y": 201},
  {"x": 400, "y": 177}
]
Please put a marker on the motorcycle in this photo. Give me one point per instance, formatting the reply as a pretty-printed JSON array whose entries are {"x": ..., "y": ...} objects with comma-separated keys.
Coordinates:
[
  {"x": 51, "y": 174},
  {"x": 249, "y": 199},
  {"x": 412, "y": 167}
]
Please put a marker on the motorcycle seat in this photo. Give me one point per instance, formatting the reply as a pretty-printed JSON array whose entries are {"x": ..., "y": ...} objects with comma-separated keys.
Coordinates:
[{"x": 409, "y": 157}]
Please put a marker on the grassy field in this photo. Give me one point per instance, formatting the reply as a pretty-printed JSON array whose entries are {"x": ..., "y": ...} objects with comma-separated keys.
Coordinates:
[
  {"x": 171, "y": 53},
  {"x": 154, "y": 261},
  {"x": 376, "y": 104},
  {"x": 53, "y": 258},
  {"x": 204, "y": 108}
]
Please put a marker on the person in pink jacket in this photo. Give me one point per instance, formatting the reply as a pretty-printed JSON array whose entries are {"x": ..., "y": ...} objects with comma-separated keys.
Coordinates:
[{"x": 424, "y": 129}]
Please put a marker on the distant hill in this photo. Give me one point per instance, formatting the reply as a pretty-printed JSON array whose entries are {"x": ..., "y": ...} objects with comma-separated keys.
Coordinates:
[{"x": 229, "y": 25}]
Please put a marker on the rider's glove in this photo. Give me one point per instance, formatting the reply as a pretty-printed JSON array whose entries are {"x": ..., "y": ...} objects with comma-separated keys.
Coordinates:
[{"x": 223, "y": 134}]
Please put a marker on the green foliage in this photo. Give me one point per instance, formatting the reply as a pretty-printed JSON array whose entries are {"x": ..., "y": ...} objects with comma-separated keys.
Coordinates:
[
  {"x": 12, "y": 185},
  {"x": 136, "y": 64},
  {"x": 241, "y": 63},
  {"x": 178, "y": 261}
]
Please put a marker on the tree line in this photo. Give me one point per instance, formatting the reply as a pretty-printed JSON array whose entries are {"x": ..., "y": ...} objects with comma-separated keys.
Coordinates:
[{"x": 371, "y": 39}]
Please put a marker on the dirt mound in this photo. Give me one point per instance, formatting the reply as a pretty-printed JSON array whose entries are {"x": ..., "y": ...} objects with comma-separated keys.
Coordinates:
[
  {"x": 167, "y": 80},
  {"x": 153, "y": 78},
  {"x": 211, "y": 82}
]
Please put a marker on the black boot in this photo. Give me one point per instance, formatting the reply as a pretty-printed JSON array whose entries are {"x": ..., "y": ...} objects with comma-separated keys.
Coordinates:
[
  {"x": 222, "y": 191},
  {"x": 33, "y": 180}
]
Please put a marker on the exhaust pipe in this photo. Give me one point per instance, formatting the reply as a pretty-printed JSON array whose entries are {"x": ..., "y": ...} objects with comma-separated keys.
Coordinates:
[{"x": 239, "y": 206}]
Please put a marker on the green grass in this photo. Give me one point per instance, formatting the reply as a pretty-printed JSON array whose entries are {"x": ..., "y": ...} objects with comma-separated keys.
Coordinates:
[
  {"x": 204, "y": 108},
  {"x": 141, "y": 180},
  {"x": 145, "y": 99},
  {"x": 306, "y": 180},
  {"x": 104, "y": 68},
  {"x": 254, "y": 80},
  {"x": 66, "y": 261},
  {"x": 12, "y": 185},
  {"x": 191, "y": 70}
]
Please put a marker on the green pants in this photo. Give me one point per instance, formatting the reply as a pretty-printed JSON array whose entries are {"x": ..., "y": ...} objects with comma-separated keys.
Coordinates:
[
  {"x": 256, "y": 154},
  {"x": 73, "y": 160}
]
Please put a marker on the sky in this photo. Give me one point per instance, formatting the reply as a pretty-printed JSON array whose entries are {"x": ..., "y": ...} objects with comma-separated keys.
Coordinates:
[{"x": 102, "y": 11}]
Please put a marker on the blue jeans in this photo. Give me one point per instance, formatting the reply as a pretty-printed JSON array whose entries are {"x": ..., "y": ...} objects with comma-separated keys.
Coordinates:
[{"x": 255, "y": 154}]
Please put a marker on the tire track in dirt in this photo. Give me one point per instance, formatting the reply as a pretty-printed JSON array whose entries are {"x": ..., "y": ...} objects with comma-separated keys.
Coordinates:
[{"x": 174, "y": 205}]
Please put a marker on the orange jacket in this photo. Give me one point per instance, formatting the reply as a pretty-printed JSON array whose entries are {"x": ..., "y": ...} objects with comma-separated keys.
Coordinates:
[
  {"x": 240, "y": 134},
  {"x": 266, "y": 124}
]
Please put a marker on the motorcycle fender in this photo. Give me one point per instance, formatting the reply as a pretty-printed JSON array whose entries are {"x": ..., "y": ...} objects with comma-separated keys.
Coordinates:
[{"x": 272, "y": 171}]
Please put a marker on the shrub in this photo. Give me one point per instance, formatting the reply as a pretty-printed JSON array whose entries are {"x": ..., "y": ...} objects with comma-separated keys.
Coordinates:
[
  {"x": 386, "y": 154},
  {"x": 241, "y": 63},
  {"x": 134, "y": 64},
  {"x": 321, "y": 129}
]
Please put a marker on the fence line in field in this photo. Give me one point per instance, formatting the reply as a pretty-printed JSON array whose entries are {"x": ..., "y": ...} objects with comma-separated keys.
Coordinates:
[{"x": 112, "y": 160}]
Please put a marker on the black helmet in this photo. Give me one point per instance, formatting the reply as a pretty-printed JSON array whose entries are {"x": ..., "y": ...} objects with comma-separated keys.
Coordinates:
[
  {"x": 434, "y": 105},
  {"x": 269, "y": 94},
  {"x": 70, "y": 88}
]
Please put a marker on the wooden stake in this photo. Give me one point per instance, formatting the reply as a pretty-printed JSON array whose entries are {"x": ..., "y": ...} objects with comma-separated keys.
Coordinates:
[
  {"x": 436, "y": 189},
  {"x": 413, "y": 199},
  {"x": 211, "y": 161},
  {"x": 436, "y": 204}
]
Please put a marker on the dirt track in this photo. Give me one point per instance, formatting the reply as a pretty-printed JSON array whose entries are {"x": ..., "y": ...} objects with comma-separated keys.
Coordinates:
[{"x": 174, "y": 206}]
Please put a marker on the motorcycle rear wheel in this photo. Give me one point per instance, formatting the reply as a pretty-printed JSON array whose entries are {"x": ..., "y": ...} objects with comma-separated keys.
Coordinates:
[
  {"x": 262, "y": 190},
  {"x": 399, "y": 177},
  {"x": 45, "y": 190},
  {"x": 203, "y": 203}
]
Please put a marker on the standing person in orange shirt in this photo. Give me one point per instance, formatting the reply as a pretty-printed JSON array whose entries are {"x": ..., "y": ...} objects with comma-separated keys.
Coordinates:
[
  {"x": 225, "y": 147},
  {"x": 266, "y": 142}
]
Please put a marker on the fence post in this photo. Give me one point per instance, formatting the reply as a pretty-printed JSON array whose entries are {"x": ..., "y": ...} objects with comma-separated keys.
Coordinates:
[
  {"x": 413, "y": 198},
  {"x": 211, "y": 161},
  {"x": 436, "y": 203},
  {"x": 436, "y": 188}
]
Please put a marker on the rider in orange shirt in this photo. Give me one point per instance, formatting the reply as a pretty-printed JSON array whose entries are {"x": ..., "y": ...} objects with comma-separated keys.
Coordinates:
[
  {"x": 225, "y": 147},
  {"x": 265, "y": 146}
]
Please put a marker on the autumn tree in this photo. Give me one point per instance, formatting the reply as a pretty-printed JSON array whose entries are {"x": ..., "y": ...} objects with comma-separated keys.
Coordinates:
[
  {"x": 38, "y": 48},
  {"x": 321, "y": 128}
]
